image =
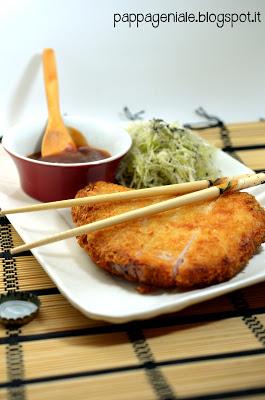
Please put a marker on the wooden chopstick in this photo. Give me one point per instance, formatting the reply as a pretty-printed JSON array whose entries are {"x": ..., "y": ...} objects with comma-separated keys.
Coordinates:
[
  {"x": 175, "y": 189},
  {"x": 205, "y": 194}
]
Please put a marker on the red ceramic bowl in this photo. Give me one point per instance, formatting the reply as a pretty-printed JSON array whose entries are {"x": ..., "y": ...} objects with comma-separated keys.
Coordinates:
[{"x": 46, "y": 181}]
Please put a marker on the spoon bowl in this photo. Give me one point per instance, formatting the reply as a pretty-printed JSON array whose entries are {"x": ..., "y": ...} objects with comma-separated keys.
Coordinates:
[{"x": 78, "y": 137}]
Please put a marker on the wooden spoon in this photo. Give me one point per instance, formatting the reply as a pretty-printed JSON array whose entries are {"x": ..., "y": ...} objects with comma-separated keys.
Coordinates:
[
  {"x": 78, "y": 137},
  {"x": 56, "y": 136}
]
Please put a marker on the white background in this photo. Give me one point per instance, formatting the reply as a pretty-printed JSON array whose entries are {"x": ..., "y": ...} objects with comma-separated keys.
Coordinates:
[{"x": 168, "y": 71}]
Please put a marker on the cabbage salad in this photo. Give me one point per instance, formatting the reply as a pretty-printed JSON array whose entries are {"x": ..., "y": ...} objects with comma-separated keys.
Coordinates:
[{"x": 165, "y": 153}]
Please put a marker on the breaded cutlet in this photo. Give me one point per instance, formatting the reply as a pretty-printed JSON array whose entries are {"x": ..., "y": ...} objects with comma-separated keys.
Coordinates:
[{"x": 190, "y": 246}]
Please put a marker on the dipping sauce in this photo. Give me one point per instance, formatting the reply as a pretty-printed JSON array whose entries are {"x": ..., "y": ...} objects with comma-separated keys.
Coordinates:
[{"x": 83, "y": 154}]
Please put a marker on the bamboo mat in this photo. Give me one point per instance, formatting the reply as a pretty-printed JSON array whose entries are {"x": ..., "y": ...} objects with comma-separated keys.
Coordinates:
[
  {"x": 245, "y": 142},
  {"x": 214, "y": 350}
]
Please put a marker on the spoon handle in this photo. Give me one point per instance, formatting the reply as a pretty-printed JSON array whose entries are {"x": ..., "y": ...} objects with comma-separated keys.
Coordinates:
[
  {"x": 51, "y": 84},
  {"x": 56, "y": 136}
]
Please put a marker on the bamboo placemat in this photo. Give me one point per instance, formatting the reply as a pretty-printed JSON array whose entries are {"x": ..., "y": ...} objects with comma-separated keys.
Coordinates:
[
  {"x": 243, "y": 141},
  {"x": 214, "y": 350}
]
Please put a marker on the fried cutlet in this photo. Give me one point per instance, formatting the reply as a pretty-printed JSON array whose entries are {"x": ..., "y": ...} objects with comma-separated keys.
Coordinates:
[{"x": 190, "y": 246}]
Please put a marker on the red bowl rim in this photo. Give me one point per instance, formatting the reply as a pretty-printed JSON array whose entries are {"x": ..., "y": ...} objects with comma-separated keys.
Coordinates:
[{"x": 68, "y": 165}]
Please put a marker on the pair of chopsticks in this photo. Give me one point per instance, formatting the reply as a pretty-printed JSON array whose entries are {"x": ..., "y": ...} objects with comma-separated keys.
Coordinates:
[{"x": 191, "y": 192}]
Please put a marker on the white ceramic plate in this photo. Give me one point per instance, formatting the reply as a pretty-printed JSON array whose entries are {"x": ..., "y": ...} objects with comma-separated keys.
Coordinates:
[{"x": 91, "y": 290}]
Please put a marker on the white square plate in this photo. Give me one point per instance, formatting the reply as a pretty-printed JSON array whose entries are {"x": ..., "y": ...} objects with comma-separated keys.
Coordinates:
[{"x": 91, "y": 290}]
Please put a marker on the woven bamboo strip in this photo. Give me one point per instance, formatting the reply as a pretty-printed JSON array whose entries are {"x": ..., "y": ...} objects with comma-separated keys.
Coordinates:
[
  {"x": 251, "y": 135},
  {"x": 3, "y": 371},
  {"x": 2, "y": 331},
  {"x": 254, "y": 159},
  {"x": 3, "y": 394},
  {"x": 5, "y": 237},
  {"x": 246, "y": 126},
  {"x": 247, "y": 129},
  {"x": 257, "y": 397},
  {"x": 200, "y": 339},
  {"x": 31, "y": 275},
  {"x": 254, "y": 141},
  {"x": 240, "y": 135},
  {"x": 57, "y": 315},
  {"x": 2, "y": 285},
  {"x": 9, "y": 229},
  {"x": 76, "y": 354},
  {"x": 15, "y": 237},
  {"x": 188, "y": 379},
  {"x": 262, "y": 320},
  {"x": 236, "y": 139},
  {"x": 242, "y": 141},
  {"x": 129, "y": 385},
  {"x": 202, "y": 378}
]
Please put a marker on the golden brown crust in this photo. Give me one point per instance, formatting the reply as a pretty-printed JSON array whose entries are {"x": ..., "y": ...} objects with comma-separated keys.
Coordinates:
[{"x": 191, "y": 246}]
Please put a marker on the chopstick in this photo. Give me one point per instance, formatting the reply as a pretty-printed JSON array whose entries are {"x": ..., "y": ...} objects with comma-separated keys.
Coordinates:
[
  {"x": 174, "y": 189},
  {"x": 204, "y": 194}
]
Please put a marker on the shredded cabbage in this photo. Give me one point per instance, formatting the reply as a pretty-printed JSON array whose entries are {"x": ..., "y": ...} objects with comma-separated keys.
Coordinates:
[{"x": 162, "y": 154}]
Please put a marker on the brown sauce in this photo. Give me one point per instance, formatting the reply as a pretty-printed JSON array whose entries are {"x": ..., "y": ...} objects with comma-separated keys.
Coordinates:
[{"x": 83, "y": 154}]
